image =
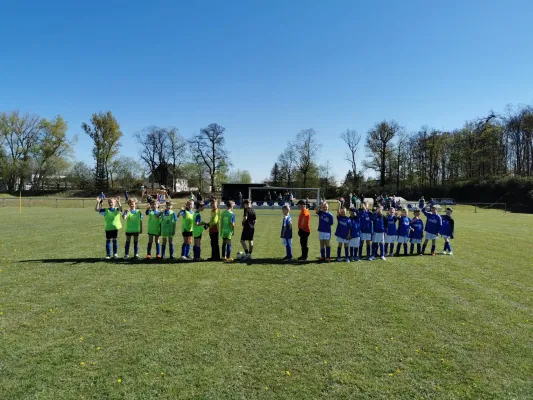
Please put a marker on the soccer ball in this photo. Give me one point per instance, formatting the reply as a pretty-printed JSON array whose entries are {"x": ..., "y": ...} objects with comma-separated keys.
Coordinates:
[{"x": 240, "y": 255}]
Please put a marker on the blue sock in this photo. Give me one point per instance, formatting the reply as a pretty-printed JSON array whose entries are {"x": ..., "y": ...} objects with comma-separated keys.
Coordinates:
[
  {"x": 127, "y": 248},
  {"x": 158, "y": 248},
  {"x": 195, "y": 251},
  {"x": 115, "y": 246},
  {"x": 346, "y": 254},
  {"x": 360, "y": 251},
  {"x": 149, "y": 249},
  {"x": 356, "y": 252},
  {"x": 328, "y": 252},
  {"x": 108, "y": 247},
  {"x": 449, "y": 246},
  {"x": 382, "y": 249},
  {"x": 351, "y": 252},
  {"x": 228, "y": 251},
  {"x": 432, "y": 249},
  {"x": 224, "y": 250},
  {"x": 368, "y": 250},
  {"x": 183, "y": 250},
  {"x": 323, "y": 252},
  {"x": 412, "y": 248},
  {"x": 289, "y": 251},
  {"x": 188, "y": 250},
  {"x": 404, "y": 248},
  {"x": 386, "y": 248},
  {"x": 136, "y": 248},
  {"x": 171, "y": 247},
  {"x": 164, "y": 250},
  {"x": 391, "y": 248},
  {"x": 374, "y": 249},
  {"x": 338, "y": 252}
]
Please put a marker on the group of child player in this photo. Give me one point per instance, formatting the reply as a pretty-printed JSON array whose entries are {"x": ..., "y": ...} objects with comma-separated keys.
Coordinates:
[{"x": 377, "y": 230}]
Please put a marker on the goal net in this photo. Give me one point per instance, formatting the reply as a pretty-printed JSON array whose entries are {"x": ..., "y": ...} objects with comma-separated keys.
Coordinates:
[{"x": 277, "y": 197}]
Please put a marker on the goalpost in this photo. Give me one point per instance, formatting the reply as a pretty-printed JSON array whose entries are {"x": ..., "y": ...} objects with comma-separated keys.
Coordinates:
[{"x": 278, "y": 196}]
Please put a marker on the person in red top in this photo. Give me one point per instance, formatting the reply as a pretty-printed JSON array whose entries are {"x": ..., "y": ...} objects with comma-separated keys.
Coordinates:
[{"x": 304, "y": 229}]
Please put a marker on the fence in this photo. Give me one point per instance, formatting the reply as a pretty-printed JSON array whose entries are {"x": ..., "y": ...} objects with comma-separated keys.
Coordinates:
[
  {"x": 47, "y": 202},
  {"x": 484, "y": 206}
]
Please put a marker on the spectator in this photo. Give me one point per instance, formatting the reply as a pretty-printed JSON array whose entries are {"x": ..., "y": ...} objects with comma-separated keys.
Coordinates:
[
  {"x": 421, "y": 203},
  {"x": 239, "y": 198}
]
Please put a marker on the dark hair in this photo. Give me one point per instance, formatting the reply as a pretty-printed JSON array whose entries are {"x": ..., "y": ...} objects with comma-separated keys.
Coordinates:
[{"x": 246, "y": 202}]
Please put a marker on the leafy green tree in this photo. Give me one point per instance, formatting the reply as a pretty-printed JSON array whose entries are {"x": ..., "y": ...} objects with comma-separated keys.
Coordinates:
[{"x": 105, "y": 132}]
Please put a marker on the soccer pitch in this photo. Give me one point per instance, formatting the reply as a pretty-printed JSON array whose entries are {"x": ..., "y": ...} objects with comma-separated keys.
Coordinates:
[{"x": 75, "y": 326}]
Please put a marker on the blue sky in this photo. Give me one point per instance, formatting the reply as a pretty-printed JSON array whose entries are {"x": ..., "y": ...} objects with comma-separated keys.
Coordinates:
[{"x": 265, "y": 69}]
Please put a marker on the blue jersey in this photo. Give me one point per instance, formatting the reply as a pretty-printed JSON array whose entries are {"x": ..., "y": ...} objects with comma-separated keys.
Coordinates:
[
  {"x": 325, "y": 220},
  {"x": 365, "y": 220},
  {"x": 447, "y": 225},
  {"x": 404, "y": 225},
  {"x": 343, "y": 227},
  {"x": 287, "y": 224},
  {"x": 418, "y": 229},
  {"x": 355, "y": 227},
  {"x": 391, "y": 225},
  {"x": 433, "y": 222},
  {"x": 379, "y": 223}
]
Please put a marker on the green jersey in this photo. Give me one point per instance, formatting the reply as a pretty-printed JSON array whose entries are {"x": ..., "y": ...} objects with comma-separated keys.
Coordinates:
[
  {"x": 227, "y": 220},
  {"x": 154, "y": 222},
  {"x": 112, "y": 219},
  {"x": 187, "y": 221},
  {"x": 198, "y": 229},
  {"x": 168, "y": 223},
  {"x": 133, "y": 221}
]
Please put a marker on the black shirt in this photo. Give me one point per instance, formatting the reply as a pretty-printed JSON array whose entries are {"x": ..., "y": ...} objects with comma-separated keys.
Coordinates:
[{"x": 249, "y": 219}]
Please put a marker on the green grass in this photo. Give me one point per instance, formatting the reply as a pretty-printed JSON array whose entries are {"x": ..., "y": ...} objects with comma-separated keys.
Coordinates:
[{"x": 74, "y": 326}]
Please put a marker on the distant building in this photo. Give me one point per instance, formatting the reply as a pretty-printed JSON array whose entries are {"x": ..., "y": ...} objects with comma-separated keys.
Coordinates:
[{"x": 163, "y": 176}]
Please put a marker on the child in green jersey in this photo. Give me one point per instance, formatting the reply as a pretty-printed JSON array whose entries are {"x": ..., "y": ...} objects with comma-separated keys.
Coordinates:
[
  {"x": 168, "y": 228},
  {"x": 187, "y": 225},
  {"x": 134, "y": 227},
  {"x": 199, "y": 227},
  {"x": 227, "y": 228},
  {"x": 112, "y": 223},
  {"x": 154, "y": 228}
]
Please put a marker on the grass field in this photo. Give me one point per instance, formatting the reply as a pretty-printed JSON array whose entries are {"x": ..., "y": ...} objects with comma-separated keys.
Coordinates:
[{"x": 446, "y": 327}]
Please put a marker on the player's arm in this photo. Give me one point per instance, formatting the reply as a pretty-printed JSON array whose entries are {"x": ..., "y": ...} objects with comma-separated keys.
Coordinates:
[
  {"x": 174, "y": 225},
  {"x": 119, "y": 204},
  {"x": 452, "y": 226},
  {"x": 98, "y": 206},
  {"x": 198, "y": 221}
]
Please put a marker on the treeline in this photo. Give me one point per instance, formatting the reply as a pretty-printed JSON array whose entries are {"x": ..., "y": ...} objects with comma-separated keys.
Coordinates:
[{"x": 36, "y": 155}]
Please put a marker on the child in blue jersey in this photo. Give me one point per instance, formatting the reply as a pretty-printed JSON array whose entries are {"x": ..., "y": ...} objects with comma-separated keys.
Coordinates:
[
  {"x": 112, "y": 223},
  {"x": 367, "y": 229},
  {"x": 325, "y": 221},
  {"x": 286, "y": 232},
  {"x": 404, "y": 227},
  {"x": 417, "y": 233},
  {"x": 433, "y": 225},
  {"x": 391, "y": 233},
  {"x": 355, "y": 235},
  {"x": 378, "y": 238},
  {"x": 447, "y": 229},
  {"x": 343, "y": 234}
]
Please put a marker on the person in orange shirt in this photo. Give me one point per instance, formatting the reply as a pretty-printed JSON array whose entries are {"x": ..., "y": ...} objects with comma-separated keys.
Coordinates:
[{"x": 304, "y": 229}]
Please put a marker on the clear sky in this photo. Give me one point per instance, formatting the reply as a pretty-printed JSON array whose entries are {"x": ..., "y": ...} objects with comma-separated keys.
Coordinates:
[{"x": 265, "y": 69}]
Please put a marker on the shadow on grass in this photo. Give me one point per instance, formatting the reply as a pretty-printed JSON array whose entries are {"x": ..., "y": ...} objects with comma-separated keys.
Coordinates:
[{"x": 154, "y": 261}]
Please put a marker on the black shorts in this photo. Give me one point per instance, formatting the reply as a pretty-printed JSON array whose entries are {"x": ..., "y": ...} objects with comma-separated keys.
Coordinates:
[
  {"x": 186, "y": 234},
  {"x": 198, "y": 237},
  {"x": 248, "y": 234},
  {"x": 132, "y": 234},
  {"x": 111, "y": 234}
]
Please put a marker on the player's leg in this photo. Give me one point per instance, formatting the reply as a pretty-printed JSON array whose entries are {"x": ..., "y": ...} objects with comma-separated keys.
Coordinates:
[
  {"x": 391, "y": 244},
  {"x": 250, "y": 248},
  {"x": 171, "y": 247},
  {"x": 322, "y": 249},
  {"x": 157, "y": 247},
  {"x": 224, "y": 247},
  {"x": 184, "y": 246},
  {"x": 136, "y": 245},
  {"x": 164, "y": 247},
  {"x": 328, "y": 249},
  {"x": 346, "y": 251},
  {"x": 149, "y": 246},
  {"x": 197, "y": 248},
  {"x": 412, "y": 249},
  {"x": 418, "y": 247},
  {"x": 289, "y": 249},
  {"x": 244, "y": 246},
  {"x": 228, "y": 249},
  {"x": 189, "y": 245},
  {"x": 339, "y": 251},
  {"x": 127, "y": 246},
  {"x": 107, "y": 246},
  {"x": 433, "y": 244},
  {"x": 424, "y": 246}
]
